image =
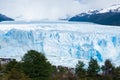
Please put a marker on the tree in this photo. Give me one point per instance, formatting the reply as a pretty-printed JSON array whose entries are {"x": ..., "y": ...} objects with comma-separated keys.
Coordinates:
[
  {"x": 0, "y": 66},
  {"x": 108, "y": 70},
  {"x": 0, "y": 70},
  {"x": 36, "y": 66},
  {"x": 93, "y": 68},
  {"x": 10, "y": 65},
  {"x": 116, "y": 73},
  {"x": 79, "y": 70},
  {"x": 108, "y": 67},
  {"x": 14, "y": 74}
]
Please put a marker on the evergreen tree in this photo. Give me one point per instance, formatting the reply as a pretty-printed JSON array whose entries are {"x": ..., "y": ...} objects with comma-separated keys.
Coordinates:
[
  {"x": 116, "y": 73},
  {"x": 93, "y": 68},
  {"x": 103, "y": 69},
  {"x": 36, "y": 66},
  {"x": 107, "y": 67},
  {"x": 0, "y": 70},
  {"x": 79, "y": 70},
  {"x": 0, "y": 66},
  {"x": 108, "y": 70}
]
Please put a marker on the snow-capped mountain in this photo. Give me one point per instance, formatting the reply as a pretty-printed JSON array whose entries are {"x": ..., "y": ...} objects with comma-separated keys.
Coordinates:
[
  {"x": 63, "y": 43},
  {"x": 5, "y": 18},
  {"x": 107, "y": 16},
  {"x": 113, "y": 8}
]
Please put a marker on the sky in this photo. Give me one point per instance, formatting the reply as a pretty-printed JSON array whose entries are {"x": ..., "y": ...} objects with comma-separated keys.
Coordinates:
[{"x": 50, "y": 9}]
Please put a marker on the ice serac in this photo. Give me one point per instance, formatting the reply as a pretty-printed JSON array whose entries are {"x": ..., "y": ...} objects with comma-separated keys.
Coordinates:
[{"x": 63, "y": 43}]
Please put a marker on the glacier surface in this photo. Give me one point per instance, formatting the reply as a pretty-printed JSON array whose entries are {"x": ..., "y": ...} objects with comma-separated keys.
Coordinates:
[{"x": 63, "y": 43}]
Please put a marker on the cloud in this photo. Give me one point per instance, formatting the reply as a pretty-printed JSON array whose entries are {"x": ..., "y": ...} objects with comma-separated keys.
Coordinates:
[
  {"x": 49, "y": 9},
  {"x": 95, "y": 4}
]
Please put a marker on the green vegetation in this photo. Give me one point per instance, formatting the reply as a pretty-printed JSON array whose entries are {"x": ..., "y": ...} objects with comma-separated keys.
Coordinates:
[
  {"x": 15, "y": 74},
  {"x": 34, "y": 66},
  {"x": 11, "y": 65},
  {"x": 93, "y": 68},
  {"x": 80, "y": 70}
]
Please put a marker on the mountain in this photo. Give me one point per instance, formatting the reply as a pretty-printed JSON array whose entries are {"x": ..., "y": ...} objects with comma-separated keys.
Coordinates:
[
  {"x": 107, "y": 16},
  {"x": 5, "y": 18},
  {"x": 63, "y": 43}
]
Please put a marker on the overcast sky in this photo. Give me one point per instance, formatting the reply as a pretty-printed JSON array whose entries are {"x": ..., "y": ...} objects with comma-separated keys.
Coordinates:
[{"x": 50, "y": 9}]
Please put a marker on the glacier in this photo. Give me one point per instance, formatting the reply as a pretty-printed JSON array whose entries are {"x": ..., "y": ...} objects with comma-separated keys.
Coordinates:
[{"x": 63, "y": 43}]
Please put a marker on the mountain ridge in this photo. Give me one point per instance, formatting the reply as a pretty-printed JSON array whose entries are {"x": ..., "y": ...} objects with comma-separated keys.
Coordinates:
[
  {"x": 5, "y": 18},
  {"x": 107, "y": 16}
]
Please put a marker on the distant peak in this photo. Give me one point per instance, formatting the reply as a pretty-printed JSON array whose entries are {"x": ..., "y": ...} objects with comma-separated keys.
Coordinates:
[
  {"x": 106, "y": 16},
  {"x": 112, "y": 8},
  {"x": 5, "y": 18}
]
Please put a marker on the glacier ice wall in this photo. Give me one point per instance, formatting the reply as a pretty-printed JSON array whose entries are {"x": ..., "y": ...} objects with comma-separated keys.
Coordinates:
[{"x": 62, "y": 43}]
